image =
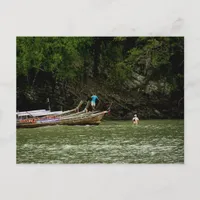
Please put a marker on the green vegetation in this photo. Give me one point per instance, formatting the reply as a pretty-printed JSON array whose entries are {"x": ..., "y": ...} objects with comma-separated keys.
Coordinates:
[{"x": 138, "y": 74}]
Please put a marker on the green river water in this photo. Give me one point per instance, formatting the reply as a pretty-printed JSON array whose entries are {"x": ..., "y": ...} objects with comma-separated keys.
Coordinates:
[{"x": 152, "y": 141}]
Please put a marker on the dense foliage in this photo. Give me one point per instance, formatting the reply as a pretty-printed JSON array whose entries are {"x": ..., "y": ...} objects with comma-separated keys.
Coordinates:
[{"x": 138, "y": 74}]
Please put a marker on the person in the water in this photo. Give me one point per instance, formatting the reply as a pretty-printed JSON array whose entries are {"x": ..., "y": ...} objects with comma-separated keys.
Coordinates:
[
  {"x": 135, "y": 120},
  {"x": 94, "y": 100}
]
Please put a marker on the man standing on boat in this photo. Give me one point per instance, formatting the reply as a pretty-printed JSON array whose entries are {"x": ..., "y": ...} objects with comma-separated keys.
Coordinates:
[{"x": 94, "y": 100}]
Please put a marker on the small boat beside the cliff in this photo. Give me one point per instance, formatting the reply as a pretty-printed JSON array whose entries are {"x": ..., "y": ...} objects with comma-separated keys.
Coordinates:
[
  {"x": 26, "y": 116},
  {"x": 89, "y": 118}
]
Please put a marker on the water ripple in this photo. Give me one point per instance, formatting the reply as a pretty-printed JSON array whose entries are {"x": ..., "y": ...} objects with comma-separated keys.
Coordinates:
[{"x": 160, "y": 141}]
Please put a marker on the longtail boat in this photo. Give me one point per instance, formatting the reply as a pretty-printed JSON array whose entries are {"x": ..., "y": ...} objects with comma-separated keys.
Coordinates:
[
  {"x": 81, "y": 118},
  {"x": 26, "y": 116}
]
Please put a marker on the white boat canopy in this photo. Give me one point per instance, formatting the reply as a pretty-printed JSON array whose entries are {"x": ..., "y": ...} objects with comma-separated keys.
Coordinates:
[{"x": 37, "y": 113}]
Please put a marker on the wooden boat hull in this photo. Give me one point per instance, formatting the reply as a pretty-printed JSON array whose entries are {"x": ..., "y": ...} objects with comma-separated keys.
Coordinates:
[
  {"x": 42, "y": 114},
  {"x": 87, "y": 119}
]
